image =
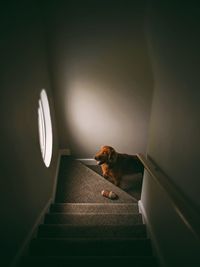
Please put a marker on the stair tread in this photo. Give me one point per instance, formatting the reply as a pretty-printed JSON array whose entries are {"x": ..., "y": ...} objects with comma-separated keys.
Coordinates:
[
  {"x": 99, "y": 214},
  {"x": 114, "y": 227},
  {"x": 92, "y": 257},
  {"x": 146, "y": 261},
  {"x": 95, "y": 207},
  {"x": 62, "y": 230},
  {"x": 91, "y": 246},
  {"x": 94, "y": 204},
  {"x": 94, "y": 219},
  {"x": 58, "y": 214},
  {"x": 92, "y": 214},
  {"x": 91, "y": 239}
]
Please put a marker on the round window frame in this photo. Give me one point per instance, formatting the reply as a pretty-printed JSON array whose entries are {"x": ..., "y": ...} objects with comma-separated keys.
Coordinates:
[{"x": 45, "y": 128}]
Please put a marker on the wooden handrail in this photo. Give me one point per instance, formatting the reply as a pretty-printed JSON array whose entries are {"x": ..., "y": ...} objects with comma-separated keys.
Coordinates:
[{"x": 183, "y": 206}]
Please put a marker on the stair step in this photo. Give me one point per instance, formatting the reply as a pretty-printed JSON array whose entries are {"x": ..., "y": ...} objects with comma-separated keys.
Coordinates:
[
  {"x": 91, "y": 261},
  {"x": 90, "y": 247},
  {"x": 95, "y": 207},
  {"x": 93, "y": 219},
  {"x": 109, "y": 231}
]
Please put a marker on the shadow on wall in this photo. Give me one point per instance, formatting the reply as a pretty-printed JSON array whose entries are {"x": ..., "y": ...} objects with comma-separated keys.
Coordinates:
[
  {"x": 26, "y": 183},
  {"x": 102, "y": 77}
]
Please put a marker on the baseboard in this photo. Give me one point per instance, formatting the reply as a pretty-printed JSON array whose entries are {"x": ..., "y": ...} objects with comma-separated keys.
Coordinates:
[
  {"x": 88, "y": 161},
  {"x": 155, "y": 247},
  {"x": 25, "y": 245},
  {"x": 144, "y": 214},
  {"x": 56, "y": 176}
]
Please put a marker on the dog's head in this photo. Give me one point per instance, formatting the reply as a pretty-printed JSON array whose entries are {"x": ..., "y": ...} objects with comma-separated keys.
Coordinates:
[{"x": 107, "y": 154}]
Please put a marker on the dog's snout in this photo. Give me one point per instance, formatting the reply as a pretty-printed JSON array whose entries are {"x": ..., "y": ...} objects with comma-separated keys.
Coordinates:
[{"x": 98, "y": 157}]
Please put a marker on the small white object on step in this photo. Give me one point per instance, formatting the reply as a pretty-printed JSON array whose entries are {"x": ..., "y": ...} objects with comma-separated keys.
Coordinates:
[{"x": 109, "y": 194}]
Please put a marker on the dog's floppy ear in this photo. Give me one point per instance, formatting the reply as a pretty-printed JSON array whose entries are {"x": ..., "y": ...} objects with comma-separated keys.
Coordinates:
[{"x": 112, "y": 155}]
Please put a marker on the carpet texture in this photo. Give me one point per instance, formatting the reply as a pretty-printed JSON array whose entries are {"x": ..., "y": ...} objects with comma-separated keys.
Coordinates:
[
  {"x": 79, "y": 184},
  {"x": 131, "y": 184}
]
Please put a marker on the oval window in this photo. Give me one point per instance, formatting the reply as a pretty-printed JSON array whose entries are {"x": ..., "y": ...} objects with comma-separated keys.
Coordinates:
[{"x": 45, "y": 128}]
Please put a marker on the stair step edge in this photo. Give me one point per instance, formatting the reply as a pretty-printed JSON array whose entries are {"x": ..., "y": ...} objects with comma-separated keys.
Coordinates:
[{"x": 90, "y": 240}]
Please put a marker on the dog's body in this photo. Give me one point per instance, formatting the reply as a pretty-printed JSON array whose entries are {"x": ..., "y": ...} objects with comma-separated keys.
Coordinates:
[{"x": 114, "y": 165}]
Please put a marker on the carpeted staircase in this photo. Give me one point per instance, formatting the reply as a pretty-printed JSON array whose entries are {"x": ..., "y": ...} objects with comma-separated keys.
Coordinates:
[{"x": 83, "y": 228}]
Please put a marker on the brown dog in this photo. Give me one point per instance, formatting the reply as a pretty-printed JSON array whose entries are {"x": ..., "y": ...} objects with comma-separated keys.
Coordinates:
[{"x": 114, "y": 165}]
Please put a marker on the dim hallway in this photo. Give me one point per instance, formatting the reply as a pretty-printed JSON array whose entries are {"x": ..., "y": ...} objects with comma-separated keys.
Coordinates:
[
  {"x": 78, "y": 74},
  {"x": 83, "y": 227}
]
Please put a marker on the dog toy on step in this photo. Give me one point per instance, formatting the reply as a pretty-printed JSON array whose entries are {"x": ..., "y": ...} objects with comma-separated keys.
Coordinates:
[{"x": 109, "y": 194}]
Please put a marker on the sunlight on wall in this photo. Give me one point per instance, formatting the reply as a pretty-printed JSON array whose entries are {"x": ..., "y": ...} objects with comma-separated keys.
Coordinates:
[{"x": 93, "y": 117}]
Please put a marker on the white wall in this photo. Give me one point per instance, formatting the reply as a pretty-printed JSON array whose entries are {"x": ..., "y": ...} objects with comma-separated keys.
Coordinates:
[
  {"x": 174, "y": 39},
  {"x": 173, "y": 36},
  {"x": 102, "y": 77},
  {"x": 26, "y": 184},
  {"x": 173, "y": 241}
]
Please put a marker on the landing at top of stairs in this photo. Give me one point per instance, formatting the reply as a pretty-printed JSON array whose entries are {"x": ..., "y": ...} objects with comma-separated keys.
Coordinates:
[{"x": 79, "y": 184}]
